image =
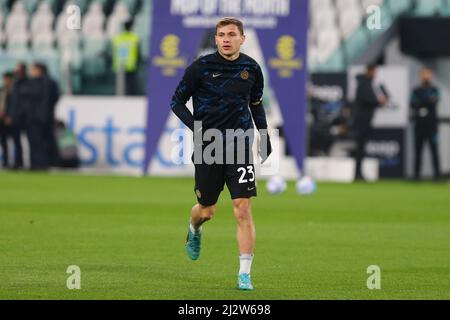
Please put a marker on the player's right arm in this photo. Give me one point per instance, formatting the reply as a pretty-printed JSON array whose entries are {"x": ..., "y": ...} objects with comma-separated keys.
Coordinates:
[{"x": 186, "y": 88}]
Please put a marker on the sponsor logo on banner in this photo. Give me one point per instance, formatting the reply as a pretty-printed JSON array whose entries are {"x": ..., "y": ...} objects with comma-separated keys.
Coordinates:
[
  {"x": 169, "y": 61},
  {"x": 286, "y": 62},
  {"x": 387, "y": 145}
]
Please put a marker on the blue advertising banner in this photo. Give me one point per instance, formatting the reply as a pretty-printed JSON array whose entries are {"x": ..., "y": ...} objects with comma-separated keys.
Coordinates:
[
  {"x": 177, "y": 33},
  {"x": 388, "y": 146}
]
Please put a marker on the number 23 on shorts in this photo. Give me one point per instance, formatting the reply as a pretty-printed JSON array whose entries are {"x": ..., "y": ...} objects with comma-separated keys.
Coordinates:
[{"x": 243, "y": 171}]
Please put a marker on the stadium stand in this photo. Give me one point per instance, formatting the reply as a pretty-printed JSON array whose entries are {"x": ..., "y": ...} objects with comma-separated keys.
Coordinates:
[
  {"x": 338, "y": 33},
  {"x": 34, "y": 29},
  {"x": 37, "y": 30}
]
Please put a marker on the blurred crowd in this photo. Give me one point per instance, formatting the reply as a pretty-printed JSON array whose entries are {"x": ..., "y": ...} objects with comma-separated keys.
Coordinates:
[{"x": 27, "y": 108}]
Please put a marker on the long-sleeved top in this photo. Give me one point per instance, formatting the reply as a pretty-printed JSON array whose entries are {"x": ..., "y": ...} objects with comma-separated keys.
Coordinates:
[
  {"x": 424, "y": 101},
  {"x": 225, "y": 94},
  {"x": 366, "y": 101}
]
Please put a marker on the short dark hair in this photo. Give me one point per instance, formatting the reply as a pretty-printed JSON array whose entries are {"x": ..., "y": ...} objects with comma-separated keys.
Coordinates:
[
  {"x": 42, "y": 67},
  {"x": 22, "y": 66},
  {"x": 128, "y": 25},
  {"x": 372, "y": 67},
  {"x": 230, "y": 20},
  {"x": 8, "y": 75}
]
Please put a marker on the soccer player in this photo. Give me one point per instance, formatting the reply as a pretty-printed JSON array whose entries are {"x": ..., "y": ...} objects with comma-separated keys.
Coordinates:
[{"x": 227, "y": 88}]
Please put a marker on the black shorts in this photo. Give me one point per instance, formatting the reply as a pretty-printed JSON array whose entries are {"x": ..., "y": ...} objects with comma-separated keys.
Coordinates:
[{"x": 211, "y": 178}]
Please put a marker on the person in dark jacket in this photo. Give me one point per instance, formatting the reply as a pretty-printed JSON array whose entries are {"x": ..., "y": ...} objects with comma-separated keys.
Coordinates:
[
  {"x": 424, "y": 101},
  {"x": 5, "y": 120},
  {"x": 367, "y": 100},
  {"x": 41, "y": 94},
  {"x": 51, "y": 99},
  {"x": 18, "y": 113}
]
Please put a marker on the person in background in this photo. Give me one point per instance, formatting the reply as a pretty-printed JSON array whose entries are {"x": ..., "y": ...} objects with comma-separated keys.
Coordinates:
[
  {"x": 5, "y": 120},
  {"x": 52, "y": 95},
  {"x": 18, "y": 113},
  {"x": 41, "y": 94},
  {"x": 368, "y": 99},
  {"x": 424, "y": 102},
  {"x": 68, "y": 156},
  {"x": 126, "y": 57}
]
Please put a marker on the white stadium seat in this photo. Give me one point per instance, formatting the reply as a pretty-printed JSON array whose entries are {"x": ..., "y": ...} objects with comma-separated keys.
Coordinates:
[
  {"x": 327, "y": 42},
  {"x": 42, "y": 23},
  {"x": 321, "y": 4},
  {"x": 324, "y": 19},
  {"x": 117, "y": 18},
  {"x": 350, "y": 20},
  {"x": 17, "y": 20},
  {"x": 94, "y": 20},
  {"x": 18, "y": 45},
  {"x": 347, "y": 4},
  {"x": 367, "y": 3},
  {"x": 2, "y": 33}
]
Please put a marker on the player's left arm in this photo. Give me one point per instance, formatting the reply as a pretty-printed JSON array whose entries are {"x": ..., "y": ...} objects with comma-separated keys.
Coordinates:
[{"x": 259, "y": 115}]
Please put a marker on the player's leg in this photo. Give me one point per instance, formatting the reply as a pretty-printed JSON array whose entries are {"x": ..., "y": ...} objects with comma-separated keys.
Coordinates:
[
  {"x": 246, "y": 233},
  {"x": 241, "y": 182},
  {"x": 200, "y": 214},
  {"x": 209, "y": 181},
  {"x": 246, "y": 236}
]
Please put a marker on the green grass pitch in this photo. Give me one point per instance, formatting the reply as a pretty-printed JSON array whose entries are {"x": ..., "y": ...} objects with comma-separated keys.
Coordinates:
[{"x": 127, "y": 236}]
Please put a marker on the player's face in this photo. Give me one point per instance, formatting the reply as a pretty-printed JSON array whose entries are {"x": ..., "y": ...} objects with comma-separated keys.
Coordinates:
[
  {"x": 427, "y": 75},
  {"x": 229, "y": 41}
]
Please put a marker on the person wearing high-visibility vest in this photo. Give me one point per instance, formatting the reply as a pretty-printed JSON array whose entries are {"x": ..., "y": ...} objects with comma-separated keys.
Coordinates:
[{"x": 126, "y": 57}]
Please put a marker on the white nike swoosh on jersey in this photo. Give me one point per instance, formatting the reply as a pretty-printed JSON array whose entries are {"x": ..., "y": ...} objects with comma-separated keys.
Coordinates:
[
  {"x": 215, "y": 75},
  {"x": 250, "y": 189}
]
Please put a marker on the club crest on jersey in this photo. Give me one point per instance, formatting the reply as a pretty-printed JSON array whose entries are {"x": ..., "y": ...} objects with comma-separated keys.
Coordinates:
[{"x": 244, "y": 75}]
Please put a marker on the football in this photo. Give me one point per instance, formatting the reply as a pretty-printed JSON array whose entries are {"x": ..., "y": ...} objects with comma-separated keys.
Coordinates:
[
  {"x": 306, "y": 186},
  {"x": 276, "y": 185}
]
